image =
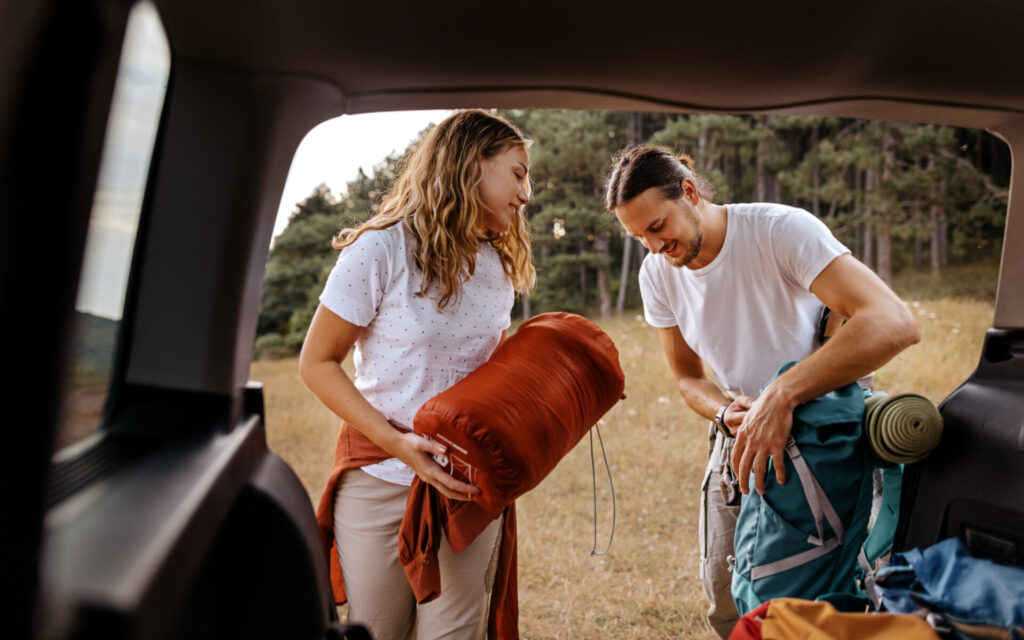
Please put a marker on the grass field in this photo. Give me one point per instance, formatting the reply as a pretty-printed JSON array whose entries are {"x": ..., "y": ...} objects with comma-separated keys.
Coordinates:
[{"x": 647, "y": 584}]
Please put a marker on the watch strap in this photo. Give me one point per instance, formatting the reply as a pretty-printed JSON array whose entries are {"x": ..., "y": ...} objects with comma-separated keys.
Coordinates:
[{"x": 720, "y": 418}]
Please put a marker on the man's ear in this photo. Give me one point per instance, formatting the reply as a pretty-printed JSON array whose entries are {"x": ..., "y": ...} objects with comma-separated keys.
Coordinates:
[{"x": 690, "y": 191}]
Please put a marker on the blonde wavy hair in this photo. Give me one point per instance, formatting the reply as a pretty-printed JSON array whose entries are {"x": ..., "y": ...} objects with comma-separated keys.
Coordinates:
[{"x": 437, "y": 195}]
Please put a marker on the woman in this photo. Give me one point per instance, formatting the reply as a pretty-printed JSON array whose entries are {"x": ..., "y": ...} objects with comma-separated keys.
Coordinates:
[{"x": 424, "y": 291}]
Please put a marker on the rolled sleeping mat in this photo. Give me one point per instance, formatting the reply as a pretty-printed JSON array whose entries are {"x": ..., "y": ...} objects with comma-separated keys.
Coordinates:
[{"x": 903, "y": 428}]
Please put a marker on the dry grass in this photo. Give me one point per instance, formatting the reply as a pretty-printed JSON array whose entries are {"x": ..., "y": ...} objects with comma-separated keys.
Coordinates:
[
  {"x": 952, "y": 332},
  {"x": 647, "y": 585},
  {"x": 299, "y": 428}
]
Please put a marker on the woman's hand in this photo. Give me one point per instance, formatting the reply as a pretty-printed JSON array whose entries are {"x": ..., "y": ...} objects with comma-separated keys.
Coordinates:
[
  {"x": 417, "y": 451},
  {"x": 328, "y": 341}
]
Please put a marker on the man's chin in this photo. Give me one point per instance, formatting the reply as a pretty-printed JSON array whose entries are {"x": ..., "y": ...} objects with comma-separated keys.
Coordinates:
[{"x": 685, "y": 259}]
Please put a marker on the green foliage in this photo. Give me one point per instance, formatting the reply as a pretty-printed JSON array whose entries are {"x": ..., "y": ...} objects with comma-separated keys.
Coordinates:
[
  {"x": 302, "y": 257},
  {"x": 903, "y": 197},
  {"x": 271, "y": 346},
  {"x": 575, "y": 240}
]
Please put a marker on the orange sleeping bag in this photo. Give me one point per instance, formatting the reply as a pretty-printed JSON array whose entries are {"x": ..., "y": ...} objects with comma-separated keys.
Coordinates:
[
  {"x": 509, "y": 422},
  {"x": 506, "y": 426}
]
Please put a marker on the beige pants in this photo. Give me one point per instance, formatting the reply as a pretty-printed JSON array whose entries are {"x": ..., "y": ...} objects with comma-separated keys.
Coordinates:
[
  {"x": 717, "y": 526},
  {"x": 367, "y": 515}
]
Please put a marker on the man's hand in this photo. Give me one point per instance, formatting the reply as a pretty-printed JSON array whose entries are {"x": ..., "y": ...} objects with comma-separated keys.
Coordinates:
[
  {"x": 763, "y": 433},
  {"x": 735, "y": 413}
]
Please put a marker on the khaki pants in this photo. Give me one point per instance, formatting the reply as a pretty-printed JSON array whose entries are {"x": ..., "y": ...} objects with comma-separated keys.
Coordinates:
[
  {"x": 717, "y": 525},
  {"x": 367, "y": 515}
]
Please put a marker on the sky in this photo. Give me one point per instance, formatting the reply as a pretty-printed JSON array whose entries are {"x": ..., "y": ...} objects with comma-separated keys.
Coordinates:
[
  {"x": 334, "y": 151},
  {"x": 127, "y": 149}
]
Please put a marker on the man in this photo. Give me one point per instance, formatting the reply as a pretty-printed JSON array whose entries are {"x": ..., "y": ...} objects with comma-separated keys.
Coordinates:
[{"x": 742, "y": 287}]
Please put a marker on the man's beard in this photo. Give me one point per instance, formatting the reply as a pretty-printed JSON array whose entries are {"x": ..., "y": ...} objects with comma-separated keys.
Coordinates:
[{"x": 692, "y": 251}]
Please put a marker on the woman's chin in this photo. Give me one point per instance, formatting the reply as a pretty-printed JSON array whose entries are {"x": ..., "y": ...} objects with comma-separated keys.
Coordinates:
[{"x": 496, "y": 226}]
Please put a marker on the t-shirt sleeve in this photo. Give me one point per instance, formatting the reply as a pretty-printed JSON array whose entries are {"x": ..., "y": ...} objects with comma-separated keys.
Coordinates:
[
  {"x": 657, "y": 312},
  {"x": 507, "y": 318},
  {"x": 356, "y": 285},
  {"x": 804, "y": 246}
]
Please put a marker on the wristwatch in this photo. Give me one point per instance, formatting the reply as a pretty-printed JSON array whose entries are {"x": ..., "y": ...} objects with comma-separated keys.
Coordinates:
[{"x": 720, "y": 419}]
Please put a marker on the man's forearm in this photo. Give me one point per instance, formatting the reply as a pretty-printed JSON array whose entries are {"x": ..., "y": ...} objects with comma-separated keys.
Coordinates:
[
  {"x": 866, "y": 342},
  {"x": 702, "y": 395}
]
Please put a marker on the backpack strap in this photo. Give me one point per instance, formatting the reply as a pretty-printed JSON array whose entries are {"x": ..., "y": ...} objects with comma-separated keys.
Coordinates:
[
  {"x": 820, "y": 505},
  {"x": 828, "y": 324},
  {"x": 872, "y": 556},
  {"x": 822, "y": 510}
]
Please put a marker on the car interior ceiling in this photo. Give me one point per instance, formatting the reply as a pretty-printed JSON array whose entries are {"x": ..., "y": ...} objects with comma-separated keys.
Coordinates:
[{"x": 248, "y": 82}]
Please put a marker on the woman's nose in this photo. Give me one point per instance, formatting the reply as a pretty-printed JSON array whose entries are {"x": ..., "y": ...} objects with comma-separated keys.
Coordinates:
[{"x": 523, "y": 195}]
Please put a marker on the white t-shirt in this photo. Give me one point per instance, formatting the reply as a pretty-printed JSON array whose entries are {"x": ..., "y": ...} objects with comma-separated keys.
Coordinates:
[
  {"x": 750, "y": 310},
  {"x": 410, "y": 352}
]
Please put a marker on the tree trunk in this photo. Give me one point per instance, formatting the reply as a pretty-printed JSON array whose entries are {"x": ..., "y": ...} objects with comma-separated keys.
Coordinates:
[
  {"x": 604, "y": 296},
  {"x": 918, "y": 235},
  {"x": 636, "y": 127},
  {"x": 625, "y": 273},
  {"x": 527, "y": 308},
  {"x": 884, "y": 247},
  {"x": 760, "y": 179},
  {"x": 868, "y": 255},
  {"x": 545, "y": 253},
  {"x": 868, "y": 182},
  {"x": 583, "y": 279},
  {"x": 601, "y": 245},
  {"x": 727, "y": 171},
  {"x": 934, "y": 214},
  {"x": 940, "y": 228},
  {"x": 761, "y": 174},
  {"x": 815, "y": 172},
  {"x": 737, "y": 173},
  {"x": 944, "y": 238},
  {"x": 936, "y": 244},
  {"x": 583, "y": 286},
  {"x": 857, "y": 206}
]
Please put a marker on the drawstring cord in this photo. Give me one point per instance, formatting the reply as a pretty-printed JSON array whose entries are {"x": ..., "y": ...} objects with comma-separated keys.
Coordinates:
[{"x": 593, "y": 477}]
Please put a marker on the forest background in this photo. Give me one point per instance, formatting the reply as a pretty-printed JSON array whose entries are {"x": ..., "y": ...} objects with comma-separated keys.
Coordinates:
[{"x": 904, "y": 198}]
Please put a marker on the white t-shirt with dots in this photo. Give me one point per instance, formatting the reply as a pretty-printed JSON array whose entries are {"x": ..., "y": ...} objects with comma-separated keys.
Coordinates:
[{"x": 410, "y": 351}]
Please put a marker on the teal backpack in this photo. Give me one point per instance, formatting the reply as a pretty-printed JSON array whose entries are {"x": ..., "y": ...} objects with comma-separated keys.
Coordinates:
[{"x": 809, "y": 538}]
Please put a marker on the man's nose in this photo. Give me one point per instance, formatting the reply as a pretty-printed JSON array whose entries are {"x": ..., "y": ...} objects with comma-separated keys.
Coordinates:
[{"x": 654, "y": 243}]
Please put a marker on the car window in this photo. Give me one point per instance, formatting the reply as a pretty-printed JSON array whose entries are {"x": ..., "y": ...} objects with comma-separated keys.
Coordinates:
[{"x": 117, "y": 203}]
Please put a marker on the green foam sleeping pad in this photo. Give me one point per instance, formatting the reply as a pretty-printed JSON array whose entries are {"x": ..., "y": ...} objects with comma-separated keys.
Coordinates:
[{"x": 903, "y": 428}]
